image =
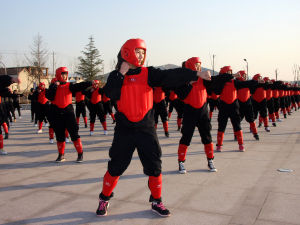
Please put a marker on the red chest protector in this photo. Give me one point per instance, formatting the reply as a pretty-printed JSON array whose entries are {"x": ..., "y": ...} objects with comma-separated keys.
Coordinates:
[
  {"x": 259, "y": 95},
  {"x": 281, "y": 93},
  {"x": 42, "y": 98},
  {"x": 158, "y": 94},
  {"x": 63, "y": 96},
  {"x": 0, "y": 100},
  {"x": 243, "y": 94},
  {"x": 96, "y": 97},
  {"x": 105, "y": 98},
  {"x": 79, "y": 96},
  {"x": 136, "y": 96},
  {"x": 269, "y": 94},
  {"x": 173, "y": 96},
  {"x": 197, "y": 96},
  {"x": 229, "y": 93},
  {"x": 275, "y": 93}
]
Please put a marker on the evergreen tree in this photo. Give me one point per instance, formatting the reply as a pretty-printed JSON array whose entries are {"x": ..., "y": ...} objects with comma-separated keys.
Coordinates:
[{"x": 90, "y": 64}]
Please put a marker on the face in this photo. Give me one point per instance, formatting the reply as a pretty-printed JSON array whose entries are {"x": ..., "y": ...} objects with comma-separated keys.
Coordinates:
[
  {"x": 140, "y": 55},
  {"x": 198, "y": 66},
  {"x": 64, "y": 76},
  {"x": 244, "y": 76}
]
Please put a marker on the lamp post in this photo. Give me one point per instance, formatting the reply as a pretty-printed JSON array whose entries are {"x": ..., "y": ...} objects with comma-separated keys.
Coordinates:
[
  {"x": 247, "y": 68},
  {"x": 214, "y": 64}
]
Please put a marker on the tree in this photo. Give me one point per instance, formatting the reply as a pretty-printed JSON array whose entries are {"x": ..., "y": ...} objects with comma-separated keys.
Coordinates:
[
  {"x": 38, "y": 57},
  {"x": 90, "y": 65}
]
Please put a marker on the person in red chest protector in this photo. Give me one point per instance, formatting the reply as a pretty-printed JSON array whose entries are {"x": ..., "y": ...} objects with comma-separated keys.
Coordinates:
[
  {"x": 160, "y": 108},
  {"x": 213, "y": 102},
  {"x": 275, "y": 93},
  {"x": 131, "y": 85},
  {"x": 229, "y": 107},
  {"x": 43, "y": 106},
  {"x": 108, "y": 107},
  {"x": 270, "y": 101},
  {"x": 288, "y": 98},
  {"x": 259, "y": 101},
  {"x": 176, "y": 103},
  {"x": 296, "y": 92},
  {"x": 80, "y": 108},
  {"x": 246, "y": 109},
  {"x": 5, "y": 81},
  {"x": 96, "y": 106},
  {"x": 60, "y": 94},
  {"x": 196, "y": 115}
]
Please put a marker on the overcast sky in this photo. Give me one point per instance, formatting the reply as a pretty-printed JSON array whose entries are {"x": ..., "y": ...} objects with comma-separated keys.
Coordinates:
[{"x": 266, "y": 33}]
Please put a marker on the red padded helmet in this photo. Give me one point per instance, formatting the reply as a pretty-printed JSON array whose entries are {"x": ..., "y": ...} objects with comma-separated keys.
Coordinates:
[
  {"x": 243, "y": 75},
  {"x": 225, "y": 69},
  {"x": 191, "y": 63},
  {"x": 128, "y": 51},
  {"x": 42, "y": 86},
  {"x": 266, "y": 79},
  {"x": 59, "y": 71},
  {"x": 273, "y": 80},
  {"x": 256, "y": 77},
  {"x": 95, "y": 84}
]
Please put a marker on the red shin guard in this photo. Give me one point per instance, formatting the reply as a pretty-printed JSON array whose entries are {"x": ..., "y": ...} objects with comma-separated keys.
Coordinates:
[
  {"x": 109, "y": 183},
  {"x": 209, "y": 150},
  {"x": 104, "y": 125},
  {"x": 165, "y": 125},
  {"x": 77, "y": 120},
  {"x": 266, "y": 122},
  {"x": 113, "y": 116},
  {"x": 85, "y": 120},
  {"x": 210, "y": 115},
  {"x": 92, "y": 126},
  {"x": 179, "y": 121},
  {"x": 155, "y": 186},
  {"x": 78, "y": 146},
  {"x": 40, "y": 125},
  {"x": 51, "y": 133},
  {"x": 277, "y": 115},
  {"x": 182, "y": 149},
  {"x": 220, "y": 138},
  {"x": 169, "y": 115},
  {"x": 61, "y": 147},
  {"x": 239, "y": 136},
  {"x": 253, "y": 127},
  {"x": 1, "y": 141},
  {"x": 5, "y": 127},
  {"x": 155, "y": 126},
  {"x": 66, "y": 133}
]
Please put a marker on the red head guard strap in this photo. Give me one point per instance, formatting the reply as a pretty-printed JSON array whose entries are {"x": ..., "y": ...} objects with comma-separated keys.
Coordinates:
[
  {"x": 128, "y": 51},
  {"x": 191, "y": 63}
]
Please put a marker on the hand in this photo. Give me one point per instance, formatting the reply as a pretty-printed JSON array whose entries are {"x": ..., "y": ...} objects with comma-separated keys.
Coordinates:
[
  {"x": 124, "y": 68},
  {"x": 205, "y": 75},
  {"x": 237, "y": 75},
  {"x": 261, "y": 81},
  {"x": 15, "y": 80},
  {"x": 57, "y": 83}
]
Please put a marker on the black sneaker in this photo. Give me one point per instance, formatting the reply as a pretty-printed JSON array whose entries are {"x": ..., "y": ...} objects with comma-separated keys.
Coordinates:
[
  {"x": 211, "y": 166},
  {"x": 160, "y": 209},
  {"x": 167, "y": 134},
  {"x": 102, "y": 208},
  {"x": 259, "y": 125},
  {"x": 178, "y": 128},
  {"x": 274, "y": 124},
  {"x": 235, "y": 138},
  {"x": 256, "y": 136},
  {"x": 284, "y": 116},
  {"x": 114, "y": 121},
  {"x": 6, "y": 136},
  {"x": 85, "y": 125},
  {"x": 80, "y": 158},
  {"x": 60, "y": 158},
  {"x": 182, "y": 170}
]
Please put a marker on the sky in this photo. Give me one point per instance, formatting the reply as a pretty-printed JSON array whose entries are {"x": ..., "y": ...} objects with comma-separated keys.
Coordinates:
[{"x": 266, "y": 33}]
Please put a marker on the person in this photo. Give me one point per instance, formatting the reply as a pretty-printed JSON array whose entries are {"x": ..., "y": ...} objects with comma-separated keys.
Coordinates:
[
  {"x": 229, "y": 107},
  {"x": 160, "y": 108},
  {"x": 80, "y": 108},
  {"x": 42, "y": 107},
  {"x": 196, "y": 115},
  {"x": 275, "y": 93},
  {"x": 259, "y": 101},
  {"x": 5, "y": 81},
  {"x": 62, "y": 112},
  {"x": 245, "y": 103},
  {"x": 270, "y": 101},
  {"x": 33, "y": 105},
  {"x": 107, "y": 106},
  {"x": 131, "y": 85},
  {"x": 16, "y": 102},
  {"x": 176, "y": 103},
  {"x": 213, "y": 102}
]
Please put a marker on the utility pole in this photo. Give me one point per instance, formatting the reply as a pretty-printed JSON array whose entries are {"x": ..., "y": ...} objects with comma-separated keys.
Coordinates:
[
  {"x": 276, "y": 72},
  {"x": 53, "y": 63},
  {"x": 247, "y": 69},
  {"x": 213, "y": 64}
]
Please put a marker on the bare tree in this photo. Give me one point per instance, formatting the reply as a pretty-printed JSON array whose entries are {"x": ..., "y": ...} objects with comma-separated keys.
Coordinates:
[
  {"x": 38, "y": 57},
  {"x": 296, "y": 72}
]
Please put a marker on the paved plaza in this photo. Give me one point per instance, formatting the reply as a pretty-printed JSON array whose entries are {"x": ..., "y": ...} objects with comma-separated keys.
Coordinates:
[{"x": 247, "y": 189}]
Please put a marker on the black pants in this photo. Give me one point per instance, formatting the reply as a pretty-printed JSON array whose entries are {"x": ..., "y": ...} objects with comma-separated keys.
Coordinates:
[
  {"x": 16, "y": 105},
  {"x": 195, "y": 118},
  {"x": 229, "y": 111},
  {"x": 80, "y": 109},
  {"x": 107, "y": 107},
  {"x": 179, "y": 107},
  {"x": 246, "y": 110},
  {"x": 212, "y": 104},
  {"x": 125, "y": 142},
  {"x": 276, "y": 104},
  {"x": 282, "y": 102},
  {"x": 260, "y": 107},
  {"x": 64, "y": 119},
  {"x": 42, "y": 112},
  {"x": 97, "y": 109},
  {"x": 270, "y": 106},
  {"x": 160, "y": 109}
]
